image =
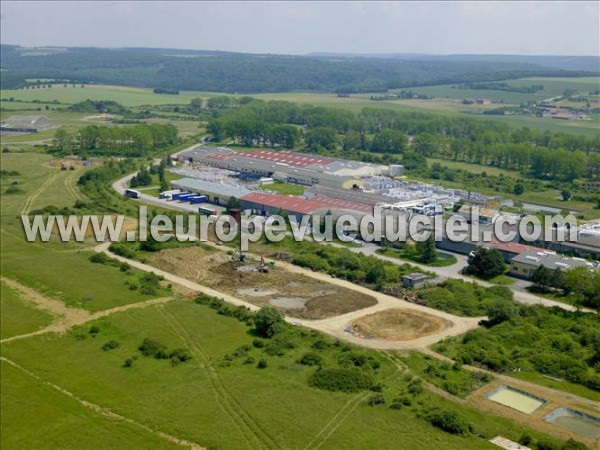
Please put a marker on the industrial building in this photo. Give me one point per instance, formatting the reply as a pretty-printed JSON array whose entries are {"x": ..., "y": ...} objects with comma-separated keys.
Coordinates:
[
  {"x": 525, "y": 264},
  {"x": 26, "y": 124},
  {"x": 217, "y": 193},
  {"x": 290, "y": 167}
]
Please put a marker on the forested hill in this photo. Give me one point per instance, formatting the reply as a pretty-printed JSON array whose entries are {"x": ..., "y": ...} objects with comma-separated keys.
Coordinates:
[{"x": 248, "y": 73}]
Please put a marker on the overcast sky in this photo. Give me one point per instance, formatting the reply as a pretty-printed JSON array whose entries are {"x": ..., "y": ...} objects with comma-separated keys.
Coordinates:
[{"x": 559, "y": 28}]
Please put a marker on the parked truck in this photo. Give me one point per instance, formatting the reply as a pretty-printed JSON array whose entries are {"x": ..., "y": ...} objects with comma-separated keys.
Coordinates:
[
  {"x": 198, "y": 199},
  {"x": 168, "y": 195},
  {"x": 132, "y": 193},
  {"x": 178, "y": 195}
]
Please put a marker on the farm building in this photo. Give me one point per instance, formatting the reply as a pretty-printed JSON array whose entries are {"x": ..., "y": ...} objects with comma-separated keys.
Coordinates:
[
  {"x": 525, "y": 264},
  {"x": 26, "y": 124}
]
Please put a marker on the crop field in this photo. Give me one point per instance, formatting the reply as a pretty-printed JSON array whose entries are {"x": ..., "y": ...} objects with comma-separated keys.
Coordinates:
[
  {"x": 553, "y": 87},
  {"x": 127, "y": 96},
  {"x": 447, "y": 101}
]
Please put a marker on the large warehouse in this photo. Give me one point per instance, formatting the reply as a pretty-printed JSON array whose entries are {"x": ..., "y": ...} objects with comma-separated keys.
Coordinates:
[{"x": 291, "y": 167}]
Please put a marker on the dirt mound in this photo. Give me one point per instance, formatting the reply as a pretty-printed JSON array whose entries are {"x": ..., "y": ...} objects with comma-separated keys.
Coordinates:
[{"x": 398, "y": 325}]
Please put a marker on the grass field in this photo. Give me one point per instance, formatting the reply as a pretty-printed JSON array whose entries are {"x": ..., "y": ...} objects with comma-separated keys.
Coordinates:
[
  {"x": 236, "y": 403},
  {"x": 447, "y": 101},
  {"x": 53, "y": 268},
  {"x": 19, "y": 317},
  {"x": 36, "y": 416},
  {"x": 284, "y": 188},
  {"x": 553, "y": 87},
  {"x": 443, "y": 259}
]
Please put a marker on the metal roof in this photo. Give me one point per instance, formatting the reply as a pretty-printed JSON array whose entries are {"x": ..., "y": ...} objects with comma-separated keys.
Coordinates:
[
  {"x": 201, "y": 186},
  {"x": 551, "y": 261}
]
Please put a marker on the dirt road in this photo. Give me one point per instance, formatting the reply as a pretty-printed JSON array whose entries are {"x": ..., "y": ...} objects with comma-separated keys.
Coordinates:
[
  {"x": 67, "y": 317},
  {"x": 334, "y": 326}
]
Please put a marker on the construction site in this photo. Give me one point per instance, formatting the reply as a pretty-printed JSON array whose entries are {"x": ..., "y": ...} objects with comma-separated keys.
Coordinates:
[{"x": 261, "y": 283}]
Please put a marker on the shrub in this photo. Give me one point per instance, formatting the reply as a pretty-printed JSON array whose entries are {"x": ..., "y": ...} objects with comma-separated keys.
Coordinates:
[
  {"x": 249, "y": 360},
  {"x": 258, "y": 343},
  {"x": 268, "y": 322},
  {"x": 262, "y": 364},
  {"x": 376, "y": 399},
  {"x": 110, "y": 345},
  {"x": 347, "y": 380},
  {"x": 311, "y": 359},
  {"x": 179, "y": 355},
  {"x": 128, "y": 362},
  {"x": 12, "y": 190},
  {"x": 449, "y": 421},
  {"x": 98, "y": 258},
  {"x": 150, "y": 347},
  {"x": 94, "y": 330}
]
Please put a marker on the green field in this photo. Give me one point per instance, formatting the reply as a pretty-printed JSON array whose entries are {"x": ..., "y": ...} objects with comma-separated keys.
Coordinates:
[
  {"x": 237, "y": 404},
  {"x": 36, "y": 416},
  {"x": 447, "y": 101},
  {"x": 18, "y": 316},
  {"x": 41, "y": 185},
  {"x": 553, "y": 87},
  {"x": 127, "y": 96},
  {"x": 284, "y": 188}
]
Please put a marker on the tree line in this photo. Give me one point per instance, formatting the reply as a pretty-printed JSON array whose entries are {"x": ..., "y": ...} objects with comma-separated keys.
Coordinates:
[
  {"x": 544, "y": 155},
  {"x": 238, "y": 72},
  {"x": 137, "y": 140}
]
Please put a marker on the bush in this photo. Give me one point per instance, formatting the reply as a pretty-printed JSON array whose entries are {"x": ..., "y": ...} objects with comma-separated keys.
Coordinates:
[
  {"x": 94, "y": 330},
  {"x": 12, "y": 190},
  {"x": 98, "y": 258},
  {"x": 449, "y": 421},
  {"x": 128, "y": 362},
  {"x": 110, "y": 345},
  {"x": 151, "y": 348},
  {"x": 311, "y": 359},
  {"x": 268, "y": 322},
  {"x": 180, "y": 355},
  {"x": 376, "y": 399},
  {"x": 346, "y": 380},
  {"x": 262, "y": 364}
]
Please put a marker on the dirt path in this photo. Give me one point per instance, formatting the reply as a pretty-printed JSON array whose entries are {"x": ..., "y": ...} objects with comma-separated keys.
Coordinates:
[
  {"x": 334, "y": 326},
  {"x": 70, "y": 186},
  {"x": 67, "y": 317},
  {"x": 37, "y": 192},
  {"x": 105, "y": 411},
  {"x": 254, "y": 435},
  {"x": 337, "y": 420}
]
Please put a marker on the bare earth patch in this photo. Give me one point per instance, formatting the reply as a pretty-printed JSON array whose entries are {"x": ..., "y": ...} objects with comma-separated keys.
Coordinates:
[
  {"x": 398, "y": 325},
  {"x": 297, "y": 295}
]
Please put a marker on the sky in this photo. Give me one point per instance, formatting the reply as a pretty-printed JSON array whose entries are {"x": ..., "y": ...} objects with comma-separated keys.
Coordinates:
[{"x": 539, "y": 27}]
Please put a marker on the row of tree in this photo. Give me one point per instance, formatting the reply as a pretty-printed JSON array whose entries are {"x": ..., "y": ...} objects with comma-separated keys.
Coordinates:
[
  {"x": 546, "y": 155},
  {"x": 137, "y": 140},
  {"x": 580, "y": 282}
]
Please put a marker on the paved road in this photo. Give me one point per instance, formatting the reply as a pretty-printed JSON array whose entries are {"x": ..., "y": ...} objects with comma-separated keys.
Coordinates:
[
  {"x": 519, "y": 287},
  {"x": 334, "y": 326},
  {"x": 453, "y": 271}
]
